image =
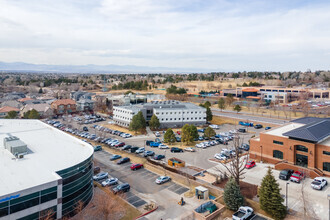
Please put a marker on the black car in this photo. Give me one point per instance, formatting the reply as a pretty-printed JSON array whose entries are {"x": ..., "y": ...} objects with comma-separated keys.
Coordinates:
[
  {"x": 258, "y": 126},
  {"x": 178, "y": 139},
  {"x": 285, "y": 174},
  {"x": 148, "y": 142},
  {"x": 159, "y": 157},
  {"x": 85, "y": 128},
  {"x": 123, "y": 160},
  {"x": 127, "y": 147},
  {"x": 242, "y": 130},
  {"x": 125, "y": 187},
  {"x": 245, "y": 147},
  {"x": 133, "y": 149},
  {"x": 176, "y": 149}
]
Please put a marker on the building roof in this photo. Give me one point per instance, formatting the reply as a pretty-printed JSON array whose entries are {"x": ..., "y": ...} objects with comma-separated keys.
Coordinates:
[
  {"x": 38, "y": 107},
  {"x": 308, "y": 120},
  {"x": 49, "y": 150},
  {"x": 64, "y": 102},
  {"x": 283, "y": 129},
  {"x": 8, "y": 109},
  {"x": 253, "y": 97},
  {"x": 313, "y": 132},
  {"x": 250, "y": 90},
  {"x": 24, "y": 99}
]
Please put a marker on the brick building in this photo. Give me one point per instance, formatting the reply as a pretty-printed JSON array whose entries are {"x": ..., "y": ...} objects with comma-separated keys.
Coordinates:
[
  {"x": 64, "y": 106},
  {"x": 302, "y": 144}
]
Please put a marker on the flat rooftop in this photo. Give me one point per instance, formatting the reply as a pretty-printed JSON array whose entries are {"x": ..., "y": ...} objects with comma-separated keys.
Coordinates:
[
  {"x": 50, "y": 150},
  {"x": 281, "y": 130}
]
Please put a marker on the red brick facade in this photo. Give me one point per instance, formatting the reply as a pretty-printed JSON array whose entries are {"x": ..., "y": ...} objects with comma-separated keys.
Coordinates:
[
  {"x": 263, "y": 147},
  {"x": 64, "y": 106}
]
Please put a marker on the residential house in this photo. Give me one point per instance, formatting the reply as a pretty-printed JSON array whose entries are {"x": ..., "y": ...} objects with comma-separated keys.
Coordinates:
[
  {"x": 64, "y": 106},
  {"x": 43, "y": 109},
  {"x": 4, "y": 111}
]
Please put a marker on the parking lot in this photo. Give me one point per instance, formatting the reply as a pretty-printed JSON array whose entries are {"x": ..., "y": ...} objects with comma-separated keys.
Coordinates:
[{"x": 200, "y": 158}]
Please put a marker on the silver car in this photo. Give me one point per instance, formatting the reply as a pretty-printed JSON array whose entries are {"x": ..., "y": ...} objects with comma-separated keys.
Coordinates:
[
  {"x": 110, "y": 182},
  {"x": 162, "y": 179},
  {"x": 100, "y": 176}
]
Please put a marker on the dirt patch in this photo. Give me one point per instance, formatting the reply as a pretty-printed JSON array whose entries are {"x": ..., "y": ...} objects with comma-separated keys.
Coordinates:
[{"x": 248, "y": 190}]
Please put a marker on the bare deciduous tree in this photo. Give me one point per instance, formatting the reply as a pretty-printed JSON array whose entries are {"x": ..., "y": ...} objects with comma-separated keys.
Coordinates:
[
  {"x": 236, "y": 166},
  {"x": 307, "y": 204}
]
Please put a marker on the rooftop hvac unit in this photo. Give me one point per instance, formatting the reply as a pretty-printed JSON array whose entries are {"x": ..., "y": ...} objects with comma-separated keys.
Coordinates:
[{"x": 15, "y": 146}]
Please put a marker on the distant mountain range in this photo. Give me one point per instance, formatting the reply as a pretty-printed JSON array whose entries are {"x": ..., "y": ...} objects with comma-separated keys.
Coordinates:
[{"x": 90, "y": 68}]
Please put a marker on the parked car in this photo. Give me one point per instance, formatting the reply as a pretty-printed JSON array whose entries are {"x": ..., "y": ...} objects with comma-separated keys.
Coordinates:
[
  {"x": 157, "y": 134},
  {"x": 267, "y": 128},
  {"x": 123, "y": 160},
  {"x": 243, "y": 213},
  {"x": 126, "y": 147},
  {"x": 133, "y": 149},
  {"x": 214, "y": 126},
  {"x": 250, "y": 164},
  {"x": 176, "y": 150},
  {"x": 154, "y": 144},
  {"x": 258, "y": 126},
  {"x": 163, "y": 146},
  {"x": 100, "y": 176},
  {"x": 319, "y": 183},
  {"x": 242, "y": 130},
  {"x": 162, "y": 179},
  {"x": 178, "y": 139},
  {"x": 159, "y": 156},
  {"x": 297, "y": 177},
  {"x": 136, "y": 166},
  {"x": 220, "y": 157},
  {"x": 285, "y": 174},
  {"x": 110, "y": 182},
  {"x": 85, "y": 128},
  {"x": 97, "y": 170},
  {"x": 121, "y": 188},
  {"x": 140, "y": 150},
  {"x": 115, "y": 157},
  {"x": 178, "y": 132},
  {"x": 201, "y": 130},
  {"x": 190, "y": 149},
  {"x": 149, "y": 153},
  {"x": 98, "y": 148},
  {"x": 245, "y": 147}
]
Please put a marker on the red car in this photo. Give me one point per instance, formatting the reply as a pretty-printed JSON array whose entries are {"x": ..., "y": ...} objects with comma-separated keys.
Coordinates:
[
  {"x": 250, "y": 164},
  {"x": 178, "y": 132},
  {"x": 136, "y": 166},
  {"x": 297, "y": 177},
  {"x": 120, "y": 145}
]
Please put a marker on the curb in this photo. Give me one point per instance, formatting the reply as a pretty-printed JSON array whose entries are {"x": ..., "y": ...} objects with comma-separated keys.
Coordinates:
[{"x": 147, "y": 213}]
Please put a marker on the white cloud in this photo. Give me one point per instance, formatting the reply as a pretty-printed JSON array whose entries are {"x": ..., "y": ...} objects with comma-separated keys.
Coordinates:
[{"x": 231, "y": 35}]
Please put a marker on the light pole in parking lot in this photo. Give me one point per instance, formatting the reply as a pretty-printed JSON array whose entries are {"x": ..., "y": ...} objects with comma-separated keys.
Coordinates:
[{"x": 286, "y": 195}]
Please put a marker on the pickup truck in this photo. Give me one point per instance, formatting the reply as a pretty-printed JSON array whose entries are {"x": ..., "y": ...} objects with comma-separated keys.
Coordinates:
[{"x": 244, "y": 212}]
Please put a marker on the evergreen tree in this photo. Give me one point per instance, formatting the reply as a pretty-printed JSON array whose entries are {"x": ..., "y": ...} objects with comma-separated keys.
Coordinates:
[
  {"x": 270, "y": 197},
  {"x": 189, "y": 133},
  {"x": 169, "y": 136},
  {"x": 34, "y": 114},
  {"x": 232, "y": 195},
  {"x": 207, "y": 104},
  {"x": 154, "y": 122},
  {"x": 40, "y": 90},
  {"x": 209, "y": 115},
  {"x": 138, "y": 122},
  {"x": 237, "y": 108},
  {"x": 209, "y": 132},
  {"x": 221, "y": 104},
  {"x": 11, "y": 115}
]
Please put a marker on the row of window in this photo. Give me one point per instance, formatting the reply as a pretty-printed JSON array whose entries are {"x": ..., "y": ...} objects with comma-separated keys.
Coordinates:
[
  {"x": 179, "y": 119},
  {"x": 28, "y": 201},
  {"x": 174, "y": 113},
  {"x": 49, "y": 213}
]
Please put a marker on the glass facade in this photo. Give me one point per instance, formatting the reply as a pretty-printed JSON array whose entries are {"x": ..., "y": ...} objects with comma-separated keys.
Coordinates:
[
  {"x": 301, "y": 160},
  {"x": 326, "y": 166},
  {"x": 25, "y": 202},
  {"x": 301, "y": 148},
  {"x": 77, "y": 186}
]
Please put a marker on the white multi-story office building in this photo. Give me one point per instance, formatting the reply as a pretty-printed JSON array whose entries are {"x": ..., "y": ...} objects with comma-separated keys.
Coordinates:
[
  {"x": 43, "y": 171},
  {"x": 170, "y": 113}
]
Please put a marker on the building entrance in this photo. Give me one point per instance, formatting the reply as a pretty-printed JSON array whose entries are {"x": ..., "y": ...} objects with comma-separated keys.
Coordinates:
[{"x": 301, "y": 160}]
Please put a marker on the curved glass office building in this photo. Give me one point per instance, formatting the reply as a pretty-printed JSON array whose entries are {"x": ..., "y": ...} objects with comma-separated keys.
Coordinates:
[{"x": 47, "y": 171}]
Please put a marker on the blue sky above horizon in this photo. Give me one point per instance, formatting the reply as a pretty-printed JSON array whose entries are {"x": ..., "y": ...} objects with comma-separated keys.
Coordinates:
[{"x": 229, "y": 35}]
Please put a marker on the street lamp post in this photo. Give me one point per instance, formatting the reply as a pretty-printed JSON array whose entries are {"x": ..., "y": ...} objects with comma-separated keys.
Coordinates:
[{"x": 286, "y": 196}]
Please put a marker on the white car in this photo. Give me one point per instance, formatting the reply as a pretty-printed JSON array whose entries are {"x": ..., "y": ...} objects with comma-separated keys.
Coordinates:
[
  {"x": 110, "y": 182},
  {"x": 157, "y": 134},
  {"x": 199, "y": 145},
  {"x": 140, "y": 150},
  {"x": 162, "y": 179},
  {"x": 220, "y": 157},
  {"x": 214, "y": 126},
  {"x": 100, "y": 176},
  {"x": 319, "y": 183},
  {"x": 190, "y": 149},
  {"x": 163, "y": 146}
]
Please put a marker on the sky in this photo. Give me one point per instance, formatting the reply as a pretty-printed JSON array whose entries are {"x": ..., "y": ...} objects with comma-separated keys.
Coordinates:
[{"x": 215, "y": 35}]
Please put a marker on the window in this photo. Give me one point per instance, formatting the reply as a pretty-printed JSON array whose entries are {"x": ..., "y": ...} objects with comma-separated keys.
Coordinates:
[
  {"x": 278, "y": 154},
  {"x": 326, "y": 152},
  {"x": 326, "y": 166},
  {"x": 278, "y": 142},
  {"x": 301, "y": 148}
]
